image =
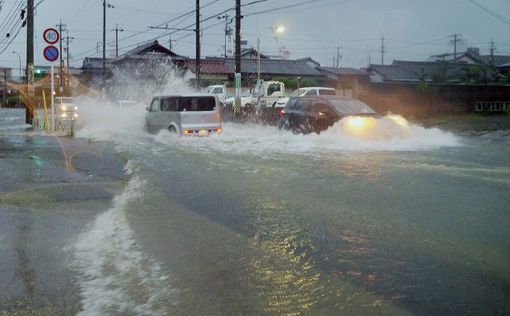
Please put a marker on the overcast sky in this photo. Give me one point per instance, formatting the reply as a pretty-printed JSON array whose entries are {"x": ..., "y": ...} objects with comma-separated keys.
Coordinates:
[{"x": 413, "y": 29}]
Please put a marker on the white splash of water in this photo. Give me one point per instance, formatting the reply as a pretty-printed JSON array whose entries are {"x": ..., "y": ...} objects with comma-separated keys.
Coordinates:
[
  {"x": 114, "y": 273},
  {"x": 389, "y": 133}
]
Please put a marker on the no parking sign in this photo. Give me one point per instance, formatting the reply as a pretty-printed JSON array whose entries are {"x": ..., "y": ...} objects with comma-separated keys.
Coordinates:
[{"x": 51, "y": 53}]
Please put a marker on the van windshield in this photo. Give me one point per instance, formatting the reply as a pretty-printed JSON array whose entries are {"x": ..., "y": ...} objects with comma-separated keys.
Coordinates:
[{"x": 197, "y": 104}]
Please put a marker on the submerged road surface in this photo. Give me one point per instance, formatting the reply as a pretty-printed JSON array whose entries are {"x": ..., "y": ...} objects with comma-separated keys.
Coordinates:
[{"x": 255, "y": 221}]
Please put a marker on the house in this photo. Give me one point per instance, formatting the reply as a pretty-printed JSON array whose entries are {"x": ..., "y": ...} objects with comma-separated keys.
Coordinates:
[
  {"x": 472, "y": 56},
  {"x": 349, "y": 79},
  {"x": 137, "y": 62},
  {"x": 416, "y": 71},
  {"x": 220, "y": 68}
]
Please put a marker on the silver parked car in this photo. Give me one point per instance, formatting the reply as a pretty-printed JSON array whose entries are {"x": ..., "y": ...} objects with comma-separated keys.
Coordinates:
[{"x": 186, "y": 115}]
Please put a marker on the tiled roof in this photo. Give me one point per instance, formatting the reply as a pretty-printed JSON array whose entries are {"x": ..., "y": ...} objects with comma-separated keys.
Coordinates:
[
  {"x": 345, "y": 71},
  {"x": 267, "y": 66},
  {"x": 209, "y": 66},
  {"x": 417, "y": 71},
  {"x": 498, "y": 59},
  {"x": 149, "y": 47},
  {"x": 95, "y": 62}
]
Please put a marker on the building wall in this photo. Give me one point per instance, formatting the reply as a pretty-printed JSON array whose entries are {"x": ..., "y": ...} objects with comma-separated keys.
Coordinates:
[{"x": 426, "y": 100}]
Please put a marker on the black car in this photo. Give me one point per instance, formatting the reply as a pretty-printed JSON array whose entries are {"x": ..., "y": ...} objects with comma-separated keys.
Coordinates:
[{"x": 317, "y": 113}]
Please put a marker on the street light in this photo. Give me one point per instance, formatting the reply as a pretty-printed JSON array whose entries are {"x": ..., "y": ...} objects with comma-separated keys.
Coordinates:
[
  {"x": 14, "y": 52},
  {"x": 278, "y": 29}
]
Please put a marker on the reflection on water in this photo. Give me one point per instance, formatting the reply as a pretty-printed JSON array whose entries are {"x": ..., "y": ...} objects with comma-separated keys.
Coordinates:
[
  {"x": 284, "y": 277},
  {"x": 24, "y": 270}
]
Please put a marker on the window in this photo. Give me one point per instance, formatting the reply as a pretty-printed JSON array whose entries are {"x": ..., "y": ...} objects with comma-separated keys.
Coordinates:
[
  {"x": 155, "y": 105},
  {"x": 297, "y": 93},
  {"x": 272, "y": 88},
  {"x": 291, "y": 104},
  {"x": 320, "y": 107},
  {"x": 312, "y": 92},
  {"x": 302, "y": 104},
  {"x": 326, "y": 92},
  {"x": 169, "y": 104},
  {"x": 197, "y": 104}
]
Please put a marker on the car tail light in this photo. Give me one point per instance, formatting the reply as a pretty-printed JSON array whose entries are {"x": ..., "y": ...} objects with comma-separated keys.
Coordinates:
[
  {"x": 186, "y": 132},
  {"x": 282, "y": 113}
]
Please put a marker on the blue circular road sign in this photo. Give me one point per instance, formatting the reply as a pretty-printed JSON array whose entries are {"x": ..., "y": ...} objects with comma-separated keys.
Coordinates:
[{"x": 50, "y": 53}]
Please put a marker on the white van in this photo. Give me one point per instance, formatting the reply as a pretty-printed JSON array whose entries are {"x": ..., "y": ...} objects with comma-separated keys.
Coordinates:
[{"x": 186, "y": 115}]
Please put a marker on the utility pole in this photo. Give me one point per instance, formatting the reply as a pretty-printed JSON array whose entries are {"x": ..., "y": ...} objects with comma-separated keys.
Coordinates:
[
  {"x": 4, "y": 102},
  {"x": 117, "y": 30},
  {"x": 226, "y": 16},
  {"x": 68, "y": 55},
  {"x": 29, "y": 109},
  {"x": 170, "y": 42},
  {"x": 197, "y": 42},
  {"x": 337, "y": 56},
  {"x": 237, "y": 106},
  {"x": 383, "y": 50},
  {"x": 456, "y": 39},
  {"x": 61, "y": 68},
  {"x": 492, "y": 50},
  {"x": 238, "y": 37},
  {"x": 103, "y": 86}
]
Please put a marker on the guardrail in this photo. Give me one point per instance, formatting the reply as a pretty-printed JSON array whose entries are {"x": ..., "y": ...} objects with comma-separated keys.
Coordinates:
[
  {"x": 64, "y": 124},
  {"x": 492, "y": 106}
]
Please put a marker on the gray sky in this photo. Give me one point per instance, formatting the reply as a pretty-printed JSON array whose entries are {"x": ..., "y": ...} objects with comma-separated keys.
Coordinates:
[{"x": 413, "y": 29}]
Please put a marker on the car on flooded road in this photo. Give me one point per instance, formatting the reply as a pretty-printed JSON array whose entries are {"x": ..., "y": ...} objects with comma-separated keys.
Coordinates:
[
  {"x": 185, "y": 115},
  {"x": 314, "y": 114},
  {"x": 307, "y": 91}
]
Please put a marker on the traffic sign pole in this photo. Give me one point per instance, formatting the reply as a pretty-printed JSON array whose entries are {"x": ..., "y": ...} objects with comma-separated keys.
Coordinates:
[
  {"x": 52, "y": 98},
  {"x": 51, "y": 53}
]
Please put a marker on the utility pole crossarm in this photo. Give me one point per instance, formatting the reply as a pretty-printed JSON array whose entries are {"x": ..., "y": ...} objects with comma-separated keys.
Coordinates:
[{"x": 171, "y": 28}]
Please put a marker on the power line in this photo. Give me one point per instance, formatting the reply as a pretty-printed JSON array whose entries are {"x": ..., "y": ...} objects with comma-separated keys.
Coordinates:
[
  {"x": 285, "y": 7},
  {"x": 494, "y": 14}
]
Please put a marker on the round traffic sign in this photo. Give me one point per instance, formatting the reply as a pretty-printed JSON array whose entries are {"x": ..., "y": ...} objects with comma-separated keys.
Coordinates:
[
  {"x": 51, "y": 36},
  {"x": 50, "y": 53}
]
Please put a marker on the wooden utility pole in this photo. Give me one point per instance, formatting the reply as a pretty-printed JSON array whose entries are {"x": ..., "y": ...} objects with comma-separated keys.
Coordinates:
[
  {"x": 237, "y": 104},
  {"x": 492, "y": 50},
  {"x": 238, "y": 36},
  {"x": 197, "y": 42},
  {"x": 456, "y": 39},
  {"x": 337, "y": 56},
  {"x": 61, "y": 67},
  {"x": 383, "y": 50},
  {"x": 4, "y": 102},
  {"x": 104, "y": 49},
  {"x": 117, "y": 30},
  {"x": 29, "y": 109}
]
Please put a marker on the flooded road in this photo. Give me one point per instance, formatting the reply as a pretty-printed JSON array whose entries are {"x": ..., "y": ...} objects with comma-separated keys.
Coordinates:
[{"x": 260, "y": 221}]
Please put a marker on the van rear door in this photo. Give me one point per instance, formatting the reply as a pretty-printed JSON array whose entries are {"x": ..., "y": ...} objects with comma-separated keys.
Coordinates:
[{"x": 201, "y": 112}]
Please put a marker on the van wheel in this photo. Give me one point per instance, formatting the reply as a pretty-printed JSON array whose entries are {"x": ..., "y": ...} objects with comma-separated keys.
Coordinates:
[{"x": 172, "y": 129}]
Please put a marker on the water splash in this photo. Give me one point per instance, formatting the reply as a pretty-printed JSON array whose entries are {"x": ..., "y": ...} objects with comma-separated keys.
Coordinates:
[
  {"x": 389, "y": 133},
  {"x": 114, "y": 273}
]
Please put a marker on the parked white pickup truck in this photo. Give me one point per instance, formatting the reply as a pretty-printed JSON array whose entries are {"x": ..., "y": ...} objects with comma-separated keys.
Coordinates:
[
  {"x": 305, "y": 92},
  {"x": 218, "y": 90}
]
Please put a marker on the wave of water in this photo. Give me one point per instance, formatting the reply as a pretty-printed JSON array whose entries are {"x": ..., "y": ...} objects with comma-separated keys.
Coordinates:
[
  {"x": 385, "y": 135},
  {"x": 115, "y": 275}
]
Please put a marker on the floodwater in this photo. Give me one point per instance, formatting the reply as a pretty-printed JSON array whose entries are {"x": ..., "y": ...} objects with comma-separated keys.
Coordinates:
[{"x": 402, "y": 220}]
